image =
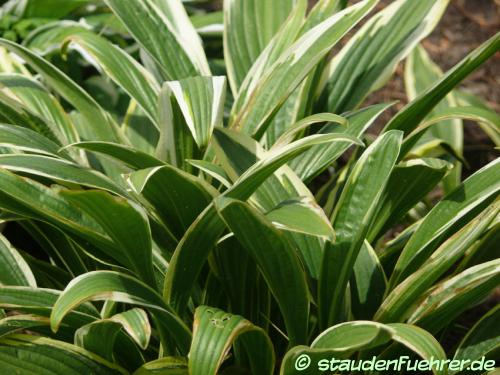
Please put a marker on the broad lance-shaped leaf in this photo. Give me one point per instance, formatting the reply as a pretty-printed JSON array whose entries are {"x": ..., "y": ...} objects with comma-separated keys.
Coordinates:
[
  {"x": 125, "y": 222},
  {"x": 13, "y": 268},
  {"x": 413, "y": 113},
  {"x": 249, "y": 25},
  {"x": 215, "y": 332},
  {"x": 351, "y": 219},
  {"x": 238, "y": 152},
  {"x": 14, "y": 112},
  {"x": 397, "y": 306},
  {"x": 201, "y": 101},
  {"x": 97, "y": 120},
  {"x": 24, "y": 139},
  {"x": 409, "y": 183},
  {"x": 302, "y": 215},
  {"x": 58, "y": 169},
  {"x": 342, "y": 340},
  {"x": 176, "y": 196},
  {"x": 318, "y": 158},
  {"x": 163, "y": 29},
  {"x": 196, "y": 244},
  {"x": 367, "y": 284},
  {"x": 478, "y": 114},
  {"x": 370, "y": 57},
  {"x": 253, "y": 109},
  {"x": 128, "y": 155},
  {"x": 176, "y": 143},
  {"x": 420, "y": 73},
  {"x": 165, "y": 365},
  {"x": 454, "y": 209},
  {"x": 99, "y": 336},
  {"x": 120, "y": 67},
  {"x": 483, "y": 338},
  {"x": 18, "y": 322},
  {"x": 26, "y": 354},
  {"x": 450, "y": 298},
  {"x": 39, "y": 301},
  {"x": 104, "y": 285},
  {"x": 277, "y": 260},
  {"x": 32, "y": 94}
]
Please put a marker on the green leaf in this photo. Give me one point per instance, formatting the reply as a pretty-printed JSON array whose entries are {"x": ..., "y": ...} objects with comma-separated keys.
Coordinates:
[
  {"x": 59, "y": 170},
  {"x": 39, "y": 301},
  {"x": 39, "y": 355},
  {"x": 478, "y": 114},
  {"x": 371, "y": 55},
  {"x": 36, "y": 98},
  {"x": 196, "y": 244},
  {"x": 164, "y": 366},
  {"x": 50, "y": 8},
  {"x": 420, "y": 73},
  {"x": 130, "y": 156},
  {"x": 351, "y": 219},
  {"x": 413, "y": 113},
  {"x": 249, "y": 25},
  {"x": 253, "y": 108},
  {"x": 201, "y": 101},
  {"x": 452, "y": 210},
  {"x": 180, "y": 204},
  {"x": 120, "y": 67},
  {"x": 482, "y": 339},
  {"x": 410, "y": 182},
  {"x": 109, "y": 285},
  {"x": 13, "y": 268},
  {"x": 302, "y": 215},
  {"x": 24, "y": 139},
  {"x": 318, "y": 158},
  {"x": 20, "y": 322},
  {"x": 342, "y": 340},
  {"x": 448, "y": 299},
  {"x": 98, "y": 337},
  {"x": 367, "y": 284},
  {"x": 398, "y": 304},
  {"x": 214, "y": 333},
  {"x": 98, "y": 121},
  {"x": 162, "y": 27},
  {"x": 126, "y": 223},
  {"x": 279, "y": 265},
  {"x": 212, "y": 170}
]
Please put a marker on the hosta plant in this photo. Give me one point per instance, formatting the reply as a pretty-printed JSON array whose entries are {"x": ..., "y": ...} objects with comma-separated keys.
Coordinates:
[{"x": 237, "y": 213}]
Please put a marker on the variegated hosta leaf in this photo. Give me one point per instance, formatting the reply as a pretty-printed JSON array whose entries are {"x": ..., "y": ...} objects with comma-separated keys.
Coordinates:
[
  {"x": 254, "y": 108},
  {"x": 196, "y": 244},
  {"x": 414, "y": 112},
  {"x": 370, "y": 57},
  {"x": 120, "y": 67},
  {"x": 249, "y": 25},
  {"x": 288, "y": 285},
  {"x": 13, "y": 268},
  {"x": 398, "y": 304},
  {"x": 213, "y": 335},
  {"x": 201, "y": 101},
  {"x": 98, "y": 121},
  {"x": 420, "y": 73},
  {"x": 99, "y": 336},
  {"x": 482, "y": 339},
  {"x": 454, "y": 210},
  {"x": 351, "y": 219},
  {"x": 342, "y": 340},
  {"x": 27, "y": 354},
  {"x": 318, "y": 158},
  {"x": 448, "y": 299},
  {"x": 36, "y": 98},
  {"x": 110, "y": 285},
  {"x": 163, "y": 29}
]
